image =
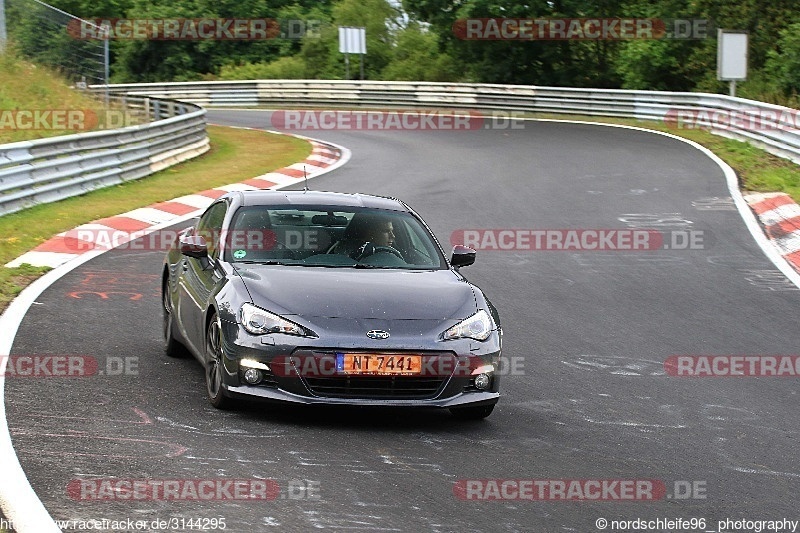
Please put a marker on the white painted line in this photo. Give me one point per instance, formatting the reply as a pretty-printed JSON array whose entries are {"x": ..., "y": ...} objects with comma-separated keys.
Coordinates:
[
  {"x": 18, "y": 501},
  {"x": 89, "y": 227},
  {"x": 278, "y": 178},
  {"x": 149, "y": 215},
  {"x": 313, "y": 170},
  {"x": 301, "y": 166},
  {"x": 236, "y": 187},
  {"x": 745, "y": 212},
  {"x": 321, "y": 158},
  {"x": 49, "y": 259},
  {"x": 194, "y": 200},
  {"x": 344, "y": 153}
]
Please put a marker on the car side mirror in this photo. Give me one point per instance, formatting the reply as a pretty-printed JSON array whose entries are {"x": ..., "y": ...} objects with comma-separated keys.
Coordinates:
[
  {"x": 194, "y": 246},
  {"x": 462, "y": 256}
]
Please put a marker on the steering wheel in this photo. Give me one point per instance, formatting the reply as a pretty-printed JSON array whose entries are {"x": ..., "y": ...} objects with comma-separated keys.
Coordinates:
[
  {"x": 370, "y": 249},
  {"x": 281, "y": 247}
]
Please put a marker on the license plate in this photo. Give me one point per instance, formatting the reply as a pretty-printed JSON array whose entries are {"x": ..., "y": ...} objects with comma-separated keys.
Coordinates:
[{"x": 372, "y": 364}]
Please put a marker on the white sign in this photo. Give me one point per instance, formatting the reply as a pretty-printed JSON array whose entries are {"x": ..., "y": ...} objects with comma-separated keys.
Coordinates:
[
  {"x": 731, "y": 55},
  {"x": 352, "y": 40}
]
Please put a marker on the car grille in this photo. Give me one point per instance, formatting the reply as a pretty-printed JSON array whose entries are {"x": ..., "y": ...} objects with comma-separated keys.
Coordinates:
[
  {"x": 269, "y": 380},
  {"x": 374, "y": 387}
]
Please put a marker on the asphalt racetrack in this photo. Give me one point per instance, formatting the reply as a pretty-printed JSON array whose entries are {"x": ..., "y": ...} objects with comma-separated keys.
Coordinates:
[{"x": 585, "y": 395}]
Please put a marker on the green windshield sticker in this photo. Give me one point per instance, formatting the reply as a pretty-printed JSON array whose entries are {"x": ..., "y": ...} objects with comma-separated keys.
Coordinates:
[{"x": 239, "y": 254}]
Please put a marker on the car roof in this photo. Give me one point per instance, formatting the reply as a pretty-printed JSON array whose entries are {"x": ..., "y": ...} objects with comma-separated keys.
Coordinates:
[{"x": 322, "y": 198}]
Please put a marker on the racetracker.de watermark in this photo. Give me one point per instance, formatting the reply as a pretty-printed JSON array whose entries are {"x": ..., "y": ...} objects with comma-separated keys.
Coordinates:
[
  {"x": 65, "y": 119},
  {"x": 747, "y": 119},
  {"x": 579, "y": 29},
  {"x": 579, "y": 240},
  {"x": 80, "y": 240},
  {"x": 578, "y": 489},
  {"x": 192, "y": 489},
  {"x": 733, "y": 366},
  {"x": 407, "y": 120},
  {"x": 241, "y": 241},
  {"x": 67, "y": 366},
  {"x": 400, "y": 364},
  {"x": 193, "y": 29}
]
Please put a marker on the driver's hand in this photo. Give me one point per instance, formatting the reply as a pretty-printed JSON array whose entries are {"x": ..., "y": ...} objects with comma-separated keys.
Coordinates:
[{"x": 364, "y": 250}]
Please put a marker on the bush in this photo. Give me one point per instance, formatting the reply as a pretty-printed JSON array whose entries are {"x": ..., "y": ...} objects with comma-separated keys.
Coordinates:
[
  {"x": 284, "y": 68},
  {"x": 783, "y": 64}
]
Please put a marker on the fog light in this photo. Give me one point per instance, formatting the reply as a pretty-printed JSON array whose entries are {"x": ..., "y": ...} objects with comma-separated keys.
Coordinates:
[
  {"x": 482, "y": 381},
  {"x": 252, "y": 376}
]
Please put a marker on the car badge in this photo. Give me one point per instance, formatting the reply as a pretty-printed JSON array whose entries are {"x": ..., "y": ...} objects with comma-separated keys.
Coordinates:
[{"x": 378, "y": 334}]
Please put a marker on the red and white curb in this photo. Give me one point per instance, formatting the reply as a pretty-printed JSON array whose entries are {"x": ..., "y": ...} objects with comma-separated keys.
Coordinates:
[
  {"x": 18, "y": 501},
  {"x": 780, "y": 216},
  {"x": 132, "y": 225}
]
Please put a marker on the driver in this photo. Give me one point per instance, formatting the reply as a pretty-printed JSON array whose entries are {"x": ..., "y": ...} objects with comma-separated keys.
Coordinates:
[
  {"x": 382, "y": 234},
  {"x": 365, "y": 230}
]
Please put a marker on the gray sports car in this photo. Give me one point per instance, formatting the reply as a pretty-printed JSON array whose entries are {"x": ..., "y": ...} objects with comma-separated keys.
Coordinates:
[{"x": 328, "y": 298}]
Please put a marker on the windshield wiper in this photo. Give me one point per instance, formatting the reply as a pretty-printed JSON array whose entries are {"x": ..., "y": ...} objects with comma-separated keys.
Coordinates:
[
  {"x": 267, "y": 262},
  {"x": 367, "y": 265}
]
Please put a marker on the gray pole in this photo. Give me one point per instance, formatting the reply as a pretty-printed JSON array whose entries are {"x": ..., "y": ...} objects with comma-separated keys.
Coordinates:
[
  {"x": 105, "y": 57},
  {"x": 346, "y": 66},
  {"x": 733, "y": 88},
  {"x": 3, "y": 35}
]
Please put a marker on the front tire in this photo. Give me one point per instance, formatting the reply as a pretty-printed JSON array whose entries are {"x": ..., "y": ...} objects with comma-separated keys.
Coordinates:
[
  {"x": 472, "y": 413},
  {"x": 214, "y": 366}
]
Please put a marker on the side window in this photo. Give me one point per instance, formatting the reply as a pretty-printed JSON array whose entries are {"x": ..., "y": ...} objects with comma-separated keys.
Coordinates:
[{"x": 210, "y": 226}]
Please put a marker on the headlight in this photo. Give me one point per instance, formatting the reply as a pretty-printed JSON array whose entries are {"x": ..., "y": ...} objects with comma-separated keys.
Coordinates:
[
  {"x": 260, "y": 322},
  {"x": 477, "y": 327}
]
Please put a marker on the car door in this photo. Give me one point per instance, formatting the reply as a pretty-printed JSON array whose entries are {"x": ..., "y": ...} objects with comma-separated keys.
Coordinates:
[{"x": 199, "y": 277}]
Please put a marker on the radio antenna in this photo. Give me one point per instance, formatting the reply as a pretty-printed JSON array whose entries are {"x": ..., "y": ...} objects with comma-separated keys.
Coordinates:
[{"x": 305, "y": 175}]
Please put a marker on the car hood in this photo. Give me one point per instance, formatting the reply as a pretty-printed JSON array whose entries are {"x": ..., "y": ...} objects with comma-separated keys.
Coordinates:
[{"x": 359, "y": 293}]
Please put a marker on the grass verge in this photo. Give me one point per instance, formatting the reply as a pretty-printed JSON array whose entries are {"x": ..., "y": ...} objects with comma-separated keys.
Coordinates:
[
  {"x": 235, "y": 155},
  {"x": 27, "y": 89}
]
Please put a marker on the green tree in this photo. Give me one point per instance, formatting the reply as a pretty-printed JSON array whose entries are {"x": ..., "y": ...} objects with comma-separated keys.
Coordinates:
[
  {"x": 417, "y": 58},
  {"x": 418, "y": 42},
  {"x": 542, "y": 62},
  {"x": 375, "y": 16},
  {"x": 783, "y": 62},
  {"x": 187, "y": 60}
]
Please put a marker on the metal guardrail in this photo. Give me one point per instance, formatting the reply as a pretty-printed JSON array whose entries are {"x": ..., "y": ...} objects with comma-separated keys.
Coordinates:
[
  {"x": 771, "y": 127},
  {"x": 47, "y": 170}
]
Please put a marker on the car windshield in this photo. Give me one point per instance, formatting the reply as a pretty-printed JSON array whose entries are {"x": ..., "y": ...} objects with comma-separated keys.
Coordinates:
[{"x": 331, "y": 237}]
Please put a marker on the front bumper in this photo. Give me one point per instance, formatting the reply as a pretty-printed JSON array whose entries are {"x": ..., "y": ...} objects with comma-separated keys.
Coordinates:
[
  {"x": 278, "y": 395},
  {"x": 450, "y": 384}
]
